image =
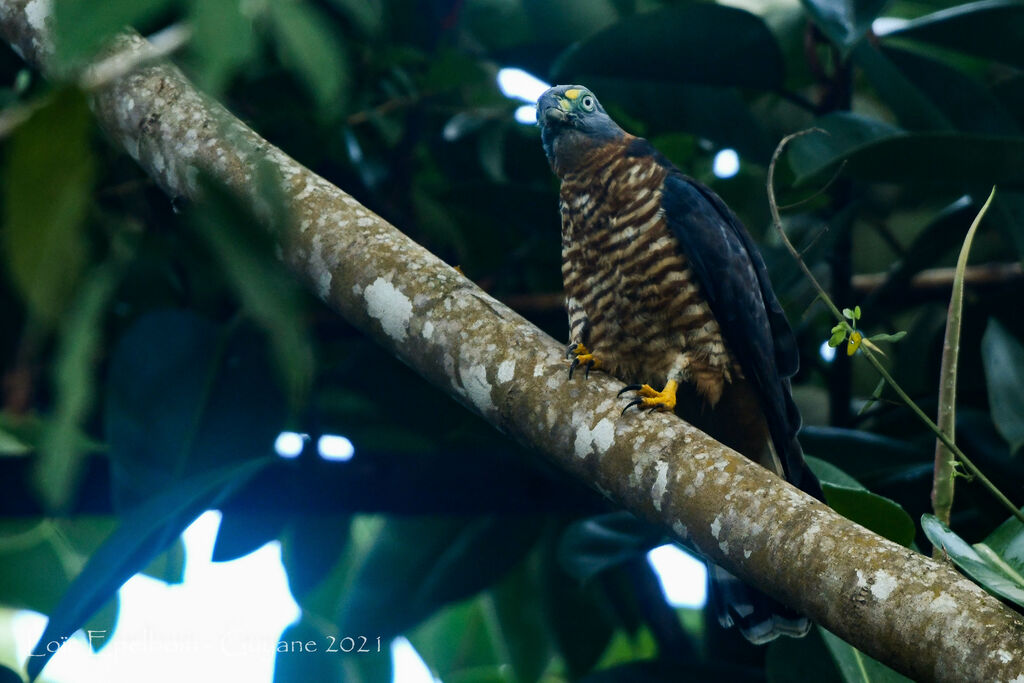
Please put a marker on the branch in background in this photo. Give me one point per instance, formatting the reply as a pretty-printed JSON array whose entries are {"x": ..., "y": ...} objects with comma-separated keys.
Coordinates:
[
  {"x": 942, "y": 278},
  {"x": 931, "y": 279},
  {"x": 917, "y": 615}
]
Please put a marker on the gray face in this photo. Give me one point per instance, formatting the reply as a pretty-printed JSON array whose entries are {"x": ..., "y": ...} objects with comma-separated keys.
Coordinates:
[{"x": 572, "y": 113}]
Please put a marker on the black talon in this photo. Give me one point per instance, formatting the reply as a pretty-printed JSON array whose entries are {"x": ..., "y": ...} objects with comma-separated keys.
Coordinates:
[
  {"x": 572, "y": 368},
  {"x": 631, "y": 387},
  {"x": 634, "y": 402},
  {"x": 586, "y": 374}
]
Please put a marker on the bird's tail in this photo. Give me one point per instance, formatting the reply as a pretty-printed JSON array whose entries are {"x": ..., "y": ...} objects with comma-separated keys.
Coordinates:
[{"x": 758, "y": 617}]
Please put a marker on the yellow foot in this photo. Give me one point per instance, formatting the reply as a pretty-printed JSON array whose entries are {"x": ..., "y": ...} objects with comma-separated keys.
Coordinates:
[
  {"x": 581, "y": 357},
  {"x": 650, "y": 398}
]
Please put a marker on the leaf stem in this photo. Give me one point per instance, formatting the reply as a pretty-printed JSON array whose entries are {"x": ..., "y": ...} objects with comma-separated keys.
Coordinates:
[{"x": 872, "y": 358}]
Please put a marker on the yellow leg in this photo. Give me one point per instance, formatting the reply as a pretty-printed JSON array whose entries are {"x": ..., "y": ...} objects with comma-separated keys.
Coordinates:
[
  {"x": 582, "y": 357},
  {"x": 651, "y": 399}
]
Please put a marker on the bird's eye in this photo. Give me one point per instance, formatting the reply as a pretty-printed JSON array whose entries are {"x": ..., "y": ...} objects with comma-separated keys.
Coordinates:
[{"x": 588, "y": 103}]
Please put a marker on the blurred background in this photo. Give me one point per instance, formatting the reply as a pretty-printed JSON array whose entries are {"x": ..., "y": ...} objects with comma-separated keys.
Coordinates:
[{"x": 158, "y": 361}]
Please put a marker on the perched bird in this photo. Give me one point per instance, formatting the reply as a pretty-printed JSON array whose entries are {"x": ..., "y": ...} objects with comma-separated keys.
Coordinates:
[{"x": 665, "y": 288}]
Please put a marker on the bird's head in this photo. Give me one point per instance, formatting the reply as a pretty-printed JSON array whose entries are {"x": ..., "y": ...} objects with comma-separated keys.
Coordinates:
[{"x": 572, "y": 123}]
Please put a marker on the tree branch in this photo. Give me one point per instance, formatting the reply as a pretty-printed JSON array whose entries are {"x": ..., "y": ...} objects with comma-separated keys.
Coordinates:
[{"x": 917, "y": 615}]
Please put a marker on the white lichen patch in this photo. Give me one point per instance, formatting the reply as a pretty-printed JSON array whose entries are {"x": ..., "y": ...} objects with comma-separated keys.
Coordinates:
[
  {"x": 747, "y": 554},
  {"x": 320, "y": 268},
  {"x": 716, "y": 527},
  {"x": 538, "y": 370},
  {"x": 680, "y": 529},
  {"x": 660, "y": 484},
  {"x": 391, "y": 308},
  {"x": 943, "y": 604},
  {"x": 506, "y": 371},
  {"x": 428, "y": 330},
  {"x": 551, "y": 417},
  {"x": 1003, "y": 656},
  {"x": 36, "y": 12},
  {"x": 476, "y": 387},
  {"x": 599, "y": 439},
  {"x": 884, "y": 584}
]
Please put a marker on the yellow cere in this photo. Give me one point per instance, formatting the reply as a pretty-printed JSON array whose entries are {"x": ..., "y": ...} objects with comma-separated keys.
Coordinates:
[{"x": 572, "y": 94}]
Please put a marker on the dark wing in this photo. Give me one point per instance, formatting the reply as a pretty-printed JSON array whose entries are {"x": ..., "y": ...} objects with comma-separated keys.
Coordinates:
[{"x": 735, "y": 282}]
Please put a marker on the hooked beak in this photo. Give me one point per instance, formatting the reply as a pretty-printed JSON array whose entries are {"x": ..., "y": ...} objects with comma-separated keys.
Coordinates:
[
  {"x": 552, "y": 110},
  {"x": 551, "y": 115}
]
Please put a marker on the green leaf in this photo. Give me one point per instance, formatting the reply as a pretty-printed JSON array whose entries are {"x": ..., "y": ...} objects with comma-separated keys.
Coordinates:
[
  {"x": 989, "y": 29},
  {"x": 168, "y": 566},
  {"x": 844, "y": 132},
  {"x": 877, "y": 152},
  {"x": 991, "y": 574},
  {"x": 12, "y": 445},
  {"x": 366, "y": 15},
  {"x": 895, "y": 337},
  {"x": 47, "y": 191},
  {"x": 877, "y": 513},
  {"x": 861, "y": 453},
  {"x": 310, "y": 547},
  {"x": 242, "y": 533},
  {"x": 849, "y": 314},
  {"x": 311, "y": 49},
  {"x": 1005, "y": 547},
  {"x": 521, "y": 621},
  {"x": 459, "y": 644},
  {"x": 963, "y": 101},
  {"x": 857, "y": 667},
  {"x": 579, "y": 616},
  {"x": 39, "y": 558},
  {"x": 595, "y": 544},
  {"x": 271, "y": 296},
  {"x": 913, "y": 108},
  {"x": 828, "y": 473},
  {"x": 1003, "y": 357},
  {"x": 82, "y": 27},
  {"x": 695, "y": 43},
  {"x": 1010, "y": 94},
  {"x": 141, "y": 535},
  {"x": 215, "y": 59},
  {"x": 789, "y": 660},
  {"x": 30, "y": 430},
  {"x": 848, "y": 497},
  {"x": 217, "y": 402},
  {"x": 81, "y": 336},
  {"x": 844, "y": 21},
  {"x": 418, "y": 565}
]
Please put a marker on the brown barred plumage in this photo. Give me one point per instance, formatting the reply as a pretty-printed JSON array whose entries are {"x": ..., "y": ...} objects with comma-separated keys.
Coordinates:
[{"x": 630, "y": 294}]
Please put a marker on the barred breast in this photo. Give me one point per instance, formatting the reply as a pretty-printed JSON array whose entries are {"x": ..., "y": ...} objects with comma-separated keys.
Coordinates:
[{"x": 643, "y": 312}]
